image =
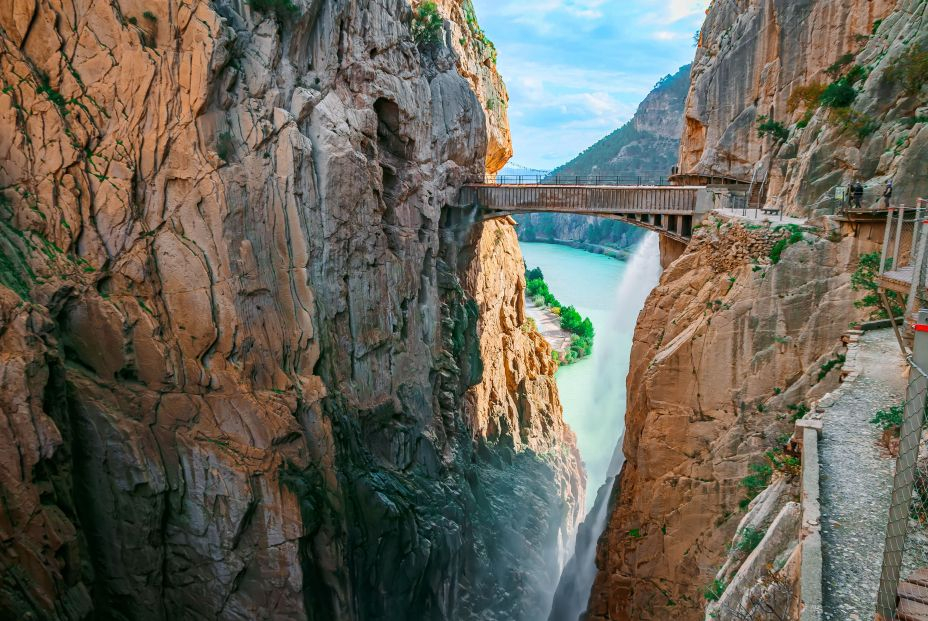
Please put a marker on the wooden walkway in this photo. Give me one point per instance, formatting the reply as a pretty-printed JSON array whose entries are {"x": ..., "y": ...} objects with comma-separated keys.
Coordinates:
[
  {"x": 913, "y": 597},
  {"x": 669, "y": 210}
]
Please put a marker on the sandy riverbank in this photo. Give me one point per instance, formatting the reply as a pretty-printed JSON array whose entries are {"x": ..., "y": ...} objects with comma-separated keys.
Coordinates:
[{"x": 549, "y": 326}]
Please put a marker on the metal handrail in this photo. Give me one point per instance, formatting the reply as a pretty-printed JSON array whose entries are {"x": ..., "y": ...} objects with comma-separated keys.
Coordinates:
[{"x": 638, "y": 179}]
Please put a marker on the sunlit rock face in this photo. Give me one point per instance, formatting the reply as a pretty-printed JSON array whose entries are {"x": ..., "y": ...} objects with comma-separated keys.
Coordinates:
[
  {"x": 754, "y": 60},
  {"x": 724, "y": 346},
  {"x": 243, "y": 368}
]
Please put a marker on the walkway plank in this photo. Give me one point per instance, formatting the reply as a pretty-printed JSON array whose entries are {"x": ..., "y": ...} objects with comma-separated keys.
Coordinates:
[{"x": 911, "y": 611}]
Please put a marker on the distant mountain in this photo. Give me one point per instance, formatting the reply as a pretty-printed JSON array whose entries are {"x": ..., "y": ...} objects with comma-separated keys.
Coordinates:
[{"x": 647, "y": 145}]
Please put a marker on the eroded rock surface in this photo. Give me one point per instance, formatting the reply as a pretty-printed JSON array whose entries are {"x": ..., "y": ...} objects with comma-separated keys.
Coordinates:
[
  {"x": 773, "y": 59},
  {"x": 725, "y": 345},
  {"x": 241, "y": 377}
]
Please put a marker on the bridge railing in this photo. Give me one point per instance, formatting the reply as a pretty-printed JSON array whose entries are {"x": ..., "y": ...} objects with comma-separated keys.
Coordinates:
[
  {"x": 637, "y": 179},
  {"x": 582, "y": 199}
]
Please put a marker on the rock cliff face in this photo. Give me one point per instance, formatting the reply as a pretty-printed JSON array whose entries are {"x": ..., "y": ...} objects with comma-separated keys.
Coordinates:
[
  {"x": 243, "y": 362},
  {"x": 773, "y": 59},
  {"x": 726, "y": 349},
  {"x": 752, "y": 54}
]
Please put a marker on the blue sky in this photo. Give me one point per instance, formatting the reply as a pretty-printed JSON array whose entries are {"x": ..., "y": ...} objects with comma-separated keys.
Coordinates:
[{"x": 577, "y": 69}]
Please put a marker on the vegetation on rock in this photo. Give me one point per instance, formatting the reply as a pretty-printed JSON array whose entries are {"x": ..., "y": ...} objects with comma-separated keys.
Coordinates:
[
  {"x": 768, "y": 127},
  {"x": 427, "y": 24},
  {"x": 795, "y": 236},
  {"x": 839, "y": 94},
  {"x": 283, "y": 9},
  {"x": 911, "y": 69},
  {"x": 890, "y": 418},
  {"x": 864, "y": 279},
  {"x": 750, "y": 538},
  {"x": 580, "y": 327}
]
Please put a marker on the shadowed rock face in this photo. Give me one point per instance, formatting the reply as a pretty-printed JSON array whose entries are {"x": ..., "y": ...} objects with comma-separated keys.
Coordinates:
[{"x": 244, "y": 369}]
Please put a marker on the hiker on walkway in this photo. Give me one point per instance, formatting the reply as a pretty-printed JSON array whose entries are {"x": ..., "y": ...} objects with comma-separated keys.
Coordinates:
[
  {"x": 888, "y": 193},
  {"x": 857, "y": 193}
]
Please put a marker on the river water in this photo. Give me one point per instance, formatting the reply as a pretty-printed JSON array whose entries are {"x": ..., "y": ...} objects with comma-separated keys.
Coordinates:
[
  {"x": 593, "y": 389},
  {"x": 611, "y": 293}
]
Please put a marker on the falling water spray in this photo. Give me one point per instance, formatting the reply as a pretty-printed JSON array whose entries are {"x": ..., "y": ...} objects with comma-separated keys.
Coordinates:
[{"x": 641, "y": 276}]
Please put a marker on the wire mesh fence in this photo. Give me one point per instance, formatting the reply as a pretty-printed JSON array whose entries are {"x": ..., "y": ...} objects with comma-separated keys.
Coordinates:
[{"x": 903, "y": 588}]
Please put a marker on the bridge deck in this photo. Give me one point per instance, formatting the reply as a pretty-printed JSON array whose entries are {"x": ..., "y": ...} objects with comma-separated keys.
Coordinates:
[
  {"x": 584, "y": 199},
  {"x": 668, "y": 210}
]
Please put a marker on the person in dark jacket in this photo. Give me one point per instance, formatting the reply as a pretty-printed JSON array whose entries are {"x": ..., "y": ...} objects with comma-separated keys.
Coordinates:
[
  {"x": 857, "y": 194},
  {"x": 888, "y": 193}
]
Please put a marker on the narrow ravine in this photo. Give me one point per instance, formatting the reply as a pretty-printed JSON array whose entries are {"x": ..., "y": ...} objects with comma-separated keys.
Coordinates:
[{"x": 592, "y": 390}]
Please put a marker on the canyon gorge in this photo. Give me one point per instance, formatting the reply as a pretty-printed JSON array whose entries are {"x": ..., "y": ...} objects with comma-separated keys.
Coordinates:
[{"x": 257, "y": 361}]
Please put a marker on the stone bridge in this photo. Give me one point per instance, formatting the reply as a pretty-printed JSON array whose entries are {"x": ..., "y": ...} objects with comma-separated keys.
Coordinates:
[{"x": 670, "y": 210}]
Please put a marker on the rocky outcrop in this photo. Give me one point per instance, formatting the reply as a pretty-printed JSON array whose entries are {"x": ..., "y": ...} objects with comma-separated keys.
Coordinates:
[
  {"x": 241, "y": 376},
  {"x": 769, "y": 61},
  {"x": 530, "y": 484},
  {"x": 741, "y": 330}
]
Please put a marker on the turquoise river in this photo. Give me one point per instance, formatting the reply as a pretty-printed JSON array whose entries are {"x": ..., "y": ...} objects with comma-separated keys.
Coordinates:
[{"x": 611, "y": 293}]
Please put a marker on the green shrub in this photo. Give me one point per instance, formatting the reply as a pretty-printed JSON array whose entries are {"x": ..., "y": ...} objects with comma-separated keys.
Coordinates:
[
  {"x": 795, "y": 237},
  {"x": 781, "y": 462},
  {"x": 769, "y": 127},
  {"x": 838, "y": 94},
  {"x": 573, "y": 322},
  {"x": 838, "y": 67},
  {"x": 829, "y": 365},
  {"x": 856, "y": 74},
  {"x": 150, "y": 16},
  {"x": 889, "y": 418},
  {"x": 427, "y": 24},
  {"x": 864, "y": 279},
  {"x": 876, "y": 25},
  {"x": 581, "y": 328},
  {"x": 714, "y": 591},
  {"x": 911, "y": 69},
  {"x": 805, "y": 120},
  {"x": 750, "y": 539},
  {"x": 534, "y": 274},
  {"x": 224, "y": 146},
  {"x": 799, "y": 410},
  {"x": 283, "y": 9},
  {"x": 756, "y": 482},
  {"x": 539, "y": 288}
]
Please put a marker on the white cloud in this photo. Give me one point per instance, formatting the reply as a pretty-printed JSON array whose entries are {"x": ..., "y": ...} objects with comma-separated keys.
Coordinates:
[
  {"x": 577, "y": 69},
  {"x": 676, "y": 10}
]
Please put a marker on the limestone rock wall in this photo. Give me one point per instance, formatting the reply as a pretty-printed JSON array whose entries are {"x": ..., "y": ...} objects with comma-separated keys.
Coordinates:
[
  {"x": 238, "y": 361},
  {"x": 725, "y": 345},
  {"x": 882, "y": 135},
  {"x": 752, "y": 55}
]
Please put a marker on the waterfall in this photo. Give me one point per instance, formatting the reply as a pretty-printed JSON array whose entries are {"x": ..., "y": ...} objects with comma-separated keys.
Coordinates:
[{"x": 640, "y": 278}]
